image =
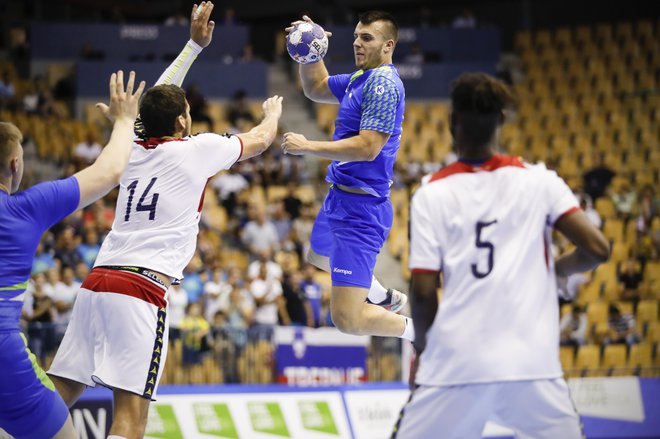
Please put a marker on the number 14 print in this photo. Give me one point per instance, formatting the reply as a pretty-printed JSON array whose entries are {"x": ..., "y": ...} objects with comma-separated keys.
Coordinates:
[{"x": 141, "y": 207}]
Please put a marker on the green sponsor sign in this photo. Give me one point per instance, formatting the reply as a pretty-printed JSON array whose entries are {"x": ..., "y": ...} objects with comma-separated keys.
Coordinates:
[
  {"x": 316, "y": 416},
  {"x": 162, "y": 422},
  {"x": 267, "y": 417},
  {"x": 215, "y": 419}
]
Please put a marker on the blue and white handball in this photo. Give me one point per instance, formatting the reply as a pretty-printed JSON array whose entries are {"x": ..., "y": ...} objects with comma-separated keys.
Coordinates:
[{"x": 307, "y": 43}]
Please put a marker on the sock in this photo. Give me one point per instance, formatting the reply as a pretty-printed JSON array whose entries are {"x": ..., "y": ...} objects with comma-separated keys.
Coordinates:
[
  {"x": 114, "y": 436},
  {"x": 377, "y": 292},
  {"x": 409, "y": 331}
]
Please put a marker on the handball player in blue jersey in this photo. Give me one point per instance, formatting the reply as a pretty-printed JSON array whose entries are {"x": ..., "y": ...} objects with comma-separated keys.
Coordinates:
[
  {"x": 356, "y": 216},
  {"x": 29, "y": 405}
]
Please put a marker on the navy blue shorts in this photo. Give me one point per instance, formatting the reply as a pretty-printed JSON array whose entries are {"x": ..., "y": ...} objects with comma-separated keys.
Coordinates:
[
  {"x": 30, "y": 407},
  {"x": 351, "y": 229}
]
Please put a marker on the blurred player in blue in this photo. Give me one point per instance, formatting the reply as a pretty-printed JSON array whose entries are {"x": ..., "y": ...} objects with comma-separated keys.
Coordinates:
[
  {"x": 29, "y": 405},
  {"x": 356, "y": 216}
]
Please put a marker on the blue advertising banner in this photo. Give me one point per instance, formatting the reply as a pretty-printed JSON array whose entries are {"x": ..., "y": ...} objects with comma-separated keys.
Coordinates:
[{"x": 319, "y": 357}]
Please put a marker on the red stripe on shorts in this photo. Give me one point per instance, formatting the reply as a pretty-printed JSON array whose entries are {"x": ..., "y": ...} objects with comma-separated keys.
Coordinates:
[{"x": 103, "y": 280}]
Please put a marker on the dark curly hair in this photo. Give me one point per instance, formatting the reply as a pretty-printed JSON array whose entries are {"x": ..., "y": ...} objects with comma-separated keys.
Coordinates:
[
  {"x": 478, "y": 101},
  {"x": 160, "y": 107}
]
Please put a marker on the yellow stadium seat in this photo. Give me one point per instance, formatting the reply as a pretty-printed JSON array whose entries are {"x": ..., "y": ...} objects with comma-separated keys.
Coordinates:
[
  {"x": 582, "y": 34},
  {"x": 641, "y": 355},
  {"x": 605, "y": 207},
  {"x": 563, "y": 36},
  {"x": 613, "y": 227},
  {"x": 275, "y": 193},
  {"x": 614, "y": 358},
  {"x": 647, "y": 311},
  {"x": 588, "y": 360},
  {"x": 597, "y": 313},
  {"x": 567, "y": 357},
  {"x": 523, "y": 40}
]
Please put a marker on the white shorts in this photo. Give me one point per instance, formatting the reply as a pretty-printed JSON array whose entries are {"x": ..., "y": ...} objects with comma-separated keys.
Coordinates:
[
  {"x": 536, "y": 409},
  {"x": 115, "y": 340}
]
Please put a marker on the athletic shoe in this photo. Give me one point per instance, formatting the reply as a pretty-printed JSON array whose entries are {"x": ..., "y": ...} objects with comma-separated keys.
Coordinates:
[{"x": 394, "y": 301}]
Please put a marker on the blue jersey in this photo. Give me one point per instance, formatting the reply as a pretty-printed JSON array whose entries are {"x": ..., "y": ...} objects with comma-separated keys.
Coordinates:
[
  {"x": 369, "y": 100},
  {"x": 24, "y": 217}
]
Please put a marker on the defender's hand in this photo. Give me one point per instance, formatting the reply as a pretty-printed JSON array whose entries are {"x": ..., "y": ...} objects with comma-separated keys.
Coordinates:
[
  {"x": 273, "y": 106},
  {"x": 123, "y": 104},
  {"x": 201, "y": 29}
]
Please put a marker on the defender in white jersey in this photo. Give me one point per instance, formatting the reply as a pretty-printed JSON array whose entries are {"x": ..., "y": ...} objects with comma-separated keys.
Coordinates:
[
  {"x": 490, "y": 351},
  {"x": 117, "y": 336}
]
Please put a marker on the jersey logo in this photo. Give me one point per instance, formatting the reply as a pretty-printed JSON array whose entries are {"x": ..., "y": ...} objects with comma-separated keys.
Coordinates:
[{"x": 380, "y": 89}]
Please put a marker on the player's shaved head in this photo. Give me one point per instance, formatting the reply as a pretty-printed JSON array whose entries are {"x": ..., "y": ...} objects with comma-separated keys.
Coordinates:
[
  {"x": 478, "y": 102},
  {"x": 391, "y": 28},
  {"x": 10, "y": 139},
  {"x": 160, "y": 107}
]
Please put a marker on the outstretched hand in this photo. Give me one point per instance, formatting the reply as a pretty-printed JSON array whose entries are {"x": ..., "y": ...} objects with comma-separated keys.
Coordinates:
[
  {"x": 123, "y": 104},
  {"x": 201, "y": 29},
  {"x": 305, "y": 19},
  {"x": 273, "y": 106}
]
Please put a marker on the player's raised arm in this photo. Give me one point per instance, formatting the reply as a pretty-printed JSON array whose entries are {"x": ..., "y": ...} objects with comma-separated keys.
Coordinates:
[
  {"x": 314, "y": 76},
  {"x": 201, "y": 34},
  {"x": 98, "y": 179},
  {"x": 259, "y": 138}
]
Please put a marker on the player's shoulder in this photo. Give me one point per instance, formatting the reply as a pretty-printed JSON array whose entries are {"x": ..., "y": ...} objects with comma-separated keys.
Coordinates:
[{"x": 383, "y": 75}]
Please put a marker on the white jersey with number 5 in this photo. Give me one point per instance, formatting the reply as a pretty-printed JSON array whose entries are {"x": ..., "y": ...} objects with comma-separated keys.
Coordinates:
[
  {"x": 487, "y": 228},
  {"x": 160, "y": 201}
]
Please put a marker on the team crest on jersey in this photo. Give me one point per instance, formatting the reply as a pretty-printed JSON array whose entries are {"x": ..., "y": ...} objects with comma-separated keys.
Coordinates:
[{"x": 379, "y": 89}]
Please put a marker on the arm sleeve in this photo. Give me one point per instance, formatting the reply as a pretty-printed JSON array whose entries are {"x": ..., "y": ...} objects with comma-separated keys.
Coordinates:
[
  {"x": 338, "y": 84},
  {"x": 50, "y": 202},
  {"x": 379, "y": 103},
  {"x": 561, "y": 200},
  {"x": 214, "y": 152},
  {"x": 425, "y": 253},
  {"x": 174, "y": 74}
]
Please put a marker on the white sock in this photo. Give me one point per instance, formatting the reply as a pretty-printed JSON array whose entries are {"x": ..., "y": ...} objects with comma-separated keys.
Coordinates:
[
  {"x": 409, "y": 330},
  {"x": 377, "y": 292},
  {"x": 114, "y": 436}
]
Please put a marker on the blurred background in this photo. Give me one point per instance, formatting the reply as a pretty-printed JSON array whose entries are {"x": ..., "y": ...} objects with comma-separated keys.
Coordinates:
[{"x": 587, "y": 78}]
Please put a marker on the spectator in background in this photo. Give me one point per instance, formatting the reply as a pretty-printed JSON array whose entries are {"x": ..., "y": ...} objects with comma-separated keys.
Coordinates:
[
  {"x": 228, "y": 185},
  {"x": 43, "y": 260},
  {"x": 313, "y": 292},
  {"x": 416, "y": 55},
  {"x": 573, "y": 328},
  {"x": 213, "y": 292},
  {"x": 66, "y": 249},
  {"x": 198, "y": 107},
  {"x": 292, "y": 203},
  {"x": 177, "y": 19},
  {"x": 64, "y": 295},
  {"x": 282, "y": 222},
  {"x": 297, "y": 311},
  {"x": 649, "y": 208},
  {"x": 624, "y": 201},
  {"x": 194, "y": 278},
  {"x": 630, "y": 278},
  {"x": 40, "y": 330},
  {"x": 267, "y": 295},
  {"x": 247, "y": 53},
  {"x": 7, "y": 90},
  {"x": 302, "y": 229},
  {"x": 87, "y": 152},
  {"x": 260, "y": 234},
  {"x": 273, "y": 269},
  {"x": 238, "y": 108},
  {"x": 598, "y": 178},
  {"x": 591, "y": 213},
  {"x": 194, "y": 329},
  {"x": 82, "y": 270},
  {"x": 621, "y": 328},
  {"x": 177, "y": 300},
  {"x": 465, "y": 20},
  {"x": 90, "y": 248},
  {"x": 229, "y": 18}
]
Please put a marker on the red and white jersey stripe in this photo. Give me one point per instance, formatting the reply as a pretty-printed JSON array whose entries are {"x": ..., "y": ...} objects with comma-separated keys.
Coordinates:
[
  {"x": 486, "y": 227},
  {"x": 160, "y": 201}
]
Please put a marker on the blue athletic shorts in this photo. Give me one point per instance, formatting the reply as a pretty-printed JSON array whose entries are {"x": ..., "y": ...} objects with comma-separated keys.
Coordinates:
[
  {"x": 30, "y": 407},
  {"x": 351, "y": 229}
]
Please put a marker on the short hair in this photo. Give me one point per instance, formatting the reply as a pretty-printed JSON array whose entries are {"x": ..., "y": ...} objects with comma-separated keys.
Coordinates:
[
  {"x": 391, "y": 28},
  {"x": 477, "y": 101},
  {"x": 9, "y": 136},
  {"x": 160, "y": 107}
]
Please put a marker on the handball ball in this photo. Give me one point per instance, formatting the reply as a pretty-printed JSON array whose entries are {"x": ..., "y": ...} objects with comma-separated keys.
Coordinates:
[{"x": 307, "y": 43}]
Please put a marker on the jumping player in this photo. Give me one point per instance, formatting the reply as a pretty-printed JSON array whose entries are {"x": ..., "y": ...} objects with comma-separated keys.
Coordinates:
[
  {"x": 490, "y": 351},
  {"x": 117, "y": 336},
  {"x": 356, "y": 217}
]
